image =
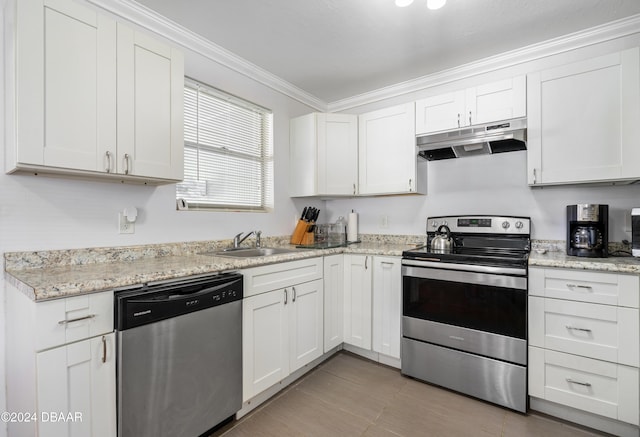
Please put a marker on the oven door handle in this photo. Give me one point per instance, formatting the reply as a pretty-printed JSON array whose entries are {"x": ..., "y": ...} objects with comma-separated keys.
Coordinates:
[{"x": 466, "y": 267}]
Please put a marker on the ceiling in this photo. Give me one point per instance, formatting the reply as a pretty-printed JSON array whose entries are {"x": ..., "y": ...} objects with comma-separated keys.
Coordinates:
[{"x": 337, "y": 49}]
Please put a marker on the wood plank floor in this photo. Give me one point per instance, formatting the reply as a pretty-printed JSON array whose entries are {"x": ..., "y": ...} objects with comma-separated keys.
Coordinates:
[{"x": 350, "y": 396}]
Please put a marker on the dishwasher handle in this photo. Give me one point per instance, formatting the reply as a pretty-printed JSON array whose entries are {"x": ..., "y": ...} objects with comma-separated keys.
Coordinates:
[{"x": 184, "y": 294}]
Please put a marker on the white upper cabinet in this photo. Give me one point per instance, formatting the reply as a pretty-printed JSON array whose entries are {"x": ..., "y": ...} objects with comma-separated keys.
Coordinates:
[
  {"x": 584, "y": 121},
  {"x": 91, "y": 96},
  {"x": 496, "y": 101},
  {"x": 387, "y": 152},
  {"x": 324, "y": 155},
  {"x": 150, "y": 107}
]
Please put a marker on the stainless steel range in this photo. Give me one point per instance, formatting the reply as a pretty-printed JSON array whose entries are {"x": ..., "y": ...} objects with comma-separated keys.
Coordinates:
[{"x": 464, "y": 312}]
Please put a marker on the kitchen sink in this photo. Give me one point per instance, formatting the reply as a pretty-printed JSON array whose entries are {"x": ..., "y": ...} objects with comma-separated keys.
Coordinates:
[{"x": 252, "y": 252}]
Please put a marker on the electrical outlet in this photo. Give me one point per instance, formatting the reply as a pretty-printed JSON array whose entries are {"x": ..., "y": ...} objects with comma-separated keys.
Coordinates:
[
  {"x": 384, "y": 221},
  {"x": 124, "y": 225}
]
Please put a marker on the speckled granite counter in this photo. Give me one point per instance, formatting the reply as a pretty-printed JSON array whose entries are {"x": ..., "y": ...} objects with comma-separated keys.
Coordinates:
[
  {"x": 50, "y": 275},
  {"x": 618, "y": 264}
]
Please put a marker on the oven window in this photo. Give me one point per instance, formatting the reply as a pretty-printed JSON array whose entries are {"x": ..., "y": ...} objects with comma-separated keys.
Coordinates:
[{"x": 480, "y": 307}]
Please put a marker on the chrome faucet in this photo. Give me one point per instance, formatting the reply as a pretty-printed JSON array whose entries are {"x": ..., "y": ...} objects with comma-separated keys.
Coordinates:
[
  {"x": 258, "y": 234},
  {"x": 237, "y": 241}
]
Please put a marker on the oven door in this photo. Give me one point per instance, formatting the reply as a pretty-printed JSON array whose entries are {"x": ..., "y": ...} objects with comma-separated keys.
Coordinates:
[{"x": 483, "y": 311}]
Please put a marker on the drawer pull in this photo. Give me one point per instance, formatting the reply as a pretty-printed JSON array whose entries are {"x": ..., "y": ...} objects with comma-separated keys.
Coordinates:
[
  {"x": 573, "y": 328},
  {"x": 104, "y": 349},
  {"x": 572, "y": 381},
  {"x": 66, "y": 322},
  {"x": 583, "y": 287}
]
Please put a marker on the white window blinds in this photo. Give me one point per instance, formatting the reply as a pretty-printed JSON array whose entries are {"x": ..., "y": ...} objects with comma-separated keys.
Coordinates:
[{"x": 228, "y": 152}]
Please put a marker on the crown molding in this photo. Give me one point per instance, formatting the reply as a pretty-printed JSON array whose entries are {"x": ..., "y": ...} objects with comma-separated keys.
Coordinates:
[
  {"x": 606, "y": 32},
  {"x": 181, "y": 36}
]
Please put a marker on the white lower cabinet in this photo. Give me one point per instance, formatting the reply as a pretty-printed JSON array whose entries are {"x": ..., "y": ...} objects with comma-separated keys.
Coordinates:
[
  {"x": 584, "y": 341},
  {"x": 357, "y": 300},
  {"x": 77, "y": 389},
  {"x": 373, "y": 303},
  {"x": 282, "y": 327},
  {"x": 333, "y": 301},
  {"x": 387, "y": 305},
  {"x": 61, "y": 365}
]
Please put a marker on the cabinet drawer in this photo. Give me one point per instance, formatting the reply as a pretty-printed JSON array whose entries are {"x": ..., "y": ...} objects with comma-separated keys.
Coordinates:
[
  {"x": 607, "y": 389},
  {"x": 580, "y": 285},
  {"x": 597, "y": 331},
  {"x": 266, "y": 278},
  {"x": 73, "y": 318}
]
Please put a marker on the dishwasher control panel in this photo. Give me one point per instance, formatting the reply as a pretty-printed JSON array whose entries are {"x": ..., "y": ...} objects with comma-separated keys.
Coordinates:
[{"x": 154, "y": 302}]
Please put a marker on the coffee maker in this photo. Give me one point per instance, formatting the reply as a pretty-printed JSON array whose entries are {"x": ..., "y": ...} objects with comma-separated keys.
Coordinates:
[{"x": 588, "y": 230}]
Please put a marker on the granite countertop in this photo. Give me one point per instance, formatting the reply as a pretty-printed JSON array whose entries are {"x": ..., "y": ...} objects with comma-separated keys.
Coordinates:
[
  {"x": 43, "y": 282},
  {"x": 616, "y": 264}
]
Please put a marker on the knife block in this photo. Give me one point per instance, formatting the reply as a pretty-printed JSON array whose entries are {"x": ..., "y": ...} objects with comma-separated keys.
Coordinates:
[{"x": 302, "y": 228}]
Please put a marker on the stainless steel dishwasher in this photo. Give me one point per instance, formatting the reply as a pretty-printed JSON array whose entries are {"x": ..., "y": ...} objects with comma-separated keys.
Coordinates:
[{"x": 179, "y": 355}]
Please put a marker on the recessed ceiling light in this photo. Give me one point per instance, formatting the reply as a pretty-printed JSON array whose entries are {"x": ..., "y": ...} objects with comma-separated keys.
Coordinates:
[
  {"x": 403, "y": 3},
  {"x": 433, "y": 4}
]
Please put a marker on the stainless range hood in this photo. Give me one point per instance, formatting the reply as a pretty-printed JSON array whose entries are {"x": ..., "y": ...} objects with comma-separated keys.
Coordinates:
[{"x": 504, "y": 136}]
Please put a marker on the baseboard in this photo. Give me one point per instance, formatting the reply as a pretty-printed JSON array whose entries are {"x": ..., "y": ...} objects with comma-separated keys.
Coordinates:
[
  {"x": 584, "y": 418},
  {"x": 264, "y": 396},
  {"x": 373, "y": 356}
]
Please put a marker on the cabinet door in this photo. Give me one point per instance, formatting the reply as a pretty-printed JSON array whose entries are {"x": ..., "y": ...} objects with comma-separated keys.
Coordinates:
[
  {"x": 302, "y": 156},
  {"x": 357, "y": 300},
  {"x": 387, "y": 151},
  {"x": 305, "y": 323},
  {"x": 150, "y": 107},
  {"x": 387, "y": 305},
  {"x": 337, "y": 154},
  {"x": 78, "y": 380},
  {"x": 265, "y": 341},
  {"x": 496, "y": 101},
  {"x": 333, "y": 301},
  {"x": 583, "y": 120},
  {"x": 66, "y": 87},
  {"x": 441, "y": 112}
]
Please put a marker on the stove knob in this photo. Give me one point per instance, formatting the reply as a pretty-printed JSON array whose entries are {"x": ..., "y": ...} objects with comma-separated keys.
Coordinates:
[
  {"x": 505, "y": 225},
  {"x": 445, "y": 223},
  {"x": 434, "y": 224},
  {"x": 519, "y": 225}
]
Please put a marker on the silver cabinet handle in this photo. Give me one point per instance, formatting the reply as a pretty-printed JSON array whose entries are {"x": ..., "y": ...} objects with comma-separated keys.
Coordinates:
[
  {"x": 534, "y": 175},
  {"x": 126, "y": 162},
  {"x": 386, "y": 263},
  {"x": 108, "y": 169},
  {"x": 104, "y": 349},
  {"x": 354, "y": 188},
  {"x": 294, "y": 294},
  {"x": 572, "y": 381},
  {"x": 573, "y": 328},
  {"x": 366, "y": 258},
  {"x": 409, "y": 184},
  {"x": 285, "y": 296},
  {"x": 583, "y": 287},
  {"x": 458, "y": 119},
  {"x": 66, "y": 322},
  {"x": 470, "y": 118}
]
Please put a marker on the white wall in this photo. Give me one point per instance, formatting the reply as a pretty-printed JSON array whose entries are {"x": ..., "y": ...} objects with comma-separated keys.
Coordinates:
[{"x": 489, "y": 184}]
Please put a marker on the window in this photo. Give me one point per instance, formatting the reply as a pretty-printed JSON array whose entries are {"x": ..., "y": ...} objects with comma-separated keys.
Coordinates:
[{"x": 228, "y": 152}]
